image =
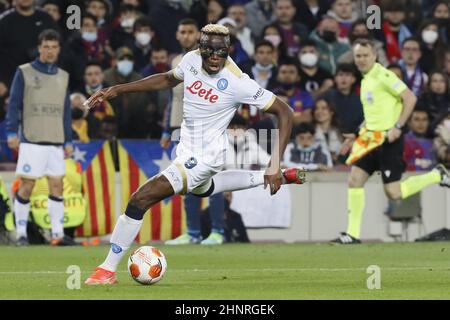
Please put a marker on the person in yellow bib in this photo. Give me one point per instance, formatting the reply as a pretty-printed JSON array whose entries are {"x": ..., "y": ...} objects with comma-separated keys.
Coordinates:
[{"x": 387, "y": 104}]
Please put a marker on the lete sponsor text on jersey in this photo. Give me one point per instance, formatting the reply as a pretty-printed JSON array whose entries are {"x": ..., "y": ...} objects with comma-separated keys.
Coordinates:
[{"x": 197, "y": 89}]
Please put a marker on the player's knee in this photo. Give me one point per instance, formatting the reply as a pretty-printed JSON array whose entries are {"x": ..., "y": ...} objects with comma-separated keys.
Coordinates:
[
  {"x": 26, "y": 188},
  {"x": 354, "y": 182},
  {"x": 393, "y": 194},
  {"x": 206, "y": 193},
  {"x": 140, "y": 200}
]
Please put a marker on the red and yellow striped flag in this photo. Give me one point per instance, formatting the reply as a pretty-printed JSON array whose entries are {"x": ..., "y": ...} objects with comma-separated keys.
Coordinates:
[
  {"x": 166, "y": 219},
  {"x": 99, "y": 187}
]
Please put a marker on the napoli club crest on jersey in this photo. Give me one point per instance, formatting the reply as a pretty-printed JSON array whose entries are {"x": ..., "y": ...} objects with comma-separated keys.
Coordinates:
[
  {"x": 190, "y": 163},
  {"x": 222, "y": 84}
]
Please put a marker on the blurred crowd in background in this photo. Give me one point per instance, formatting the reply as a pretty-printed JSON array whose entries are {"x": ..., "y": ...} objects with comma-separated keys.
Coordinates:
[{"x": 299, "y": 49}]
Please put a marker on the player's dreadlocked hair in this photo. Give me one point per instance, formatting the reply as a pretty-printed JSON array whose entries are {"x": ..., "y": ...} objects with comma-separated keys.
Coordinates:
[{"x": 215, "y": 29}]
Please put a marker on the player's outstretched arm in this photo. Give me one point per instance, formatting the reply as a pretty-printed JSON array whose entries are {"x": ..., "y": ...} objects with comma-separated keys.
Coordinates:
[
  {"x": 273, "y": 176},
  {"x": 159, "y": 81}
]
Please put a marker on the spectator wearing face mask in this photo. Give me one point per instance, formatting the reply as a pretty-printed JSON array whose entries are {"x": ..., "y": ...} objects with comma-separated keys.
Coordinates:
[
  {"x": 418, "y": 152},
  {"x": 432, "y": 46},
  {"x": 272, "y": 33},
  {"x": 84, "y": 46},
  {"x": 131, "y": 105},
  {"x": 123, "y": 34},
  {"x": 261, "y": 68},
  {"x": 145, "y": 40},
  {"x": 259, "y": 14},
  {"x": 441, "y": 12},
  {"x": 330, "y": 49},
  {"x": 314, "y": 79},
  {"x": 359, "y": 30}
]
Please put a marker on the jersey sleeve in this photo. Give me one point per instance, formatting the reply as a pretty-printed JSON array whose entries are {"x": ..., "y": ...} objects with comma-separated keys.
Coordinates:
[
  {"x": 250, "y": 92},
  {"x": 181, "y": 68},
  {"x": 392, "y": 83}
]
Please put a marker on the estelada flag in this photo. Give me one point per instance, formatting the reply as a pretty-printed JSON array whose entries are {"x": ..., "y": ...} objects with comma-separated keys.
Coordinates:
[
  {"x": 139, "y": 161},
  {"x": 98, "y": 175}
]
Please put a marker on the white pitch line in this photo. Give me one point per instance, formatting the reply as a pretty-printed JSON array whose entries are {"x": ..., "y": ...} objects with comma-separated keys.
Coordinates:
[{"x": 251, "y": 270}]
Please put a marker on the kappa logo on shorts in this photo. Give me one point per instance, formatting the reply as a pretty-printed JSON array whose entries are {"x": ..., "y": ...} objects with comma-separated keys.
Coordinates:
[
  {"x": 26, "y": 168},
  {"x": 190, "y": 163}
]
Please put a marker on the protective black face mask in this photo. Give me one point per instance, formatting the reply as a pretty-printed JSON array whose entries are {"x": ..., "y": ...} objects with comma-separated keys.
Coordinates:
[
  {"x": 329, "y": 36},
  {"x": 207, "y": 51},
  {"x": 77, "y": 113}
]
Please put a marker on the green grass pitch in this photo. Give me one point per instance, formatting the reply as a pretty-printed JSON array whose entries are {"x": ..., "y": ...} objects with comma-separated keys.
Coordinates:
[{"x": 239, "y": 271}]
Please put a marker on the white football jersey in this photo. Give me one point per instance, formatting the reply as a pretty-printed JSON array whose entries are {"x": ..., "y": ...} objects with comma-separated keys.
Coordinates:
[{"x": 209, "y": 104}]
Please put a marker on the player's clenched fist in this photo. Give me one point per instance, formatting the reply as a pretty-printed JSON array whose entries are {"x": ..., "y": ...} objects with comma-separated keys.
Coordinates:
[{"x": 100, "y": 96}]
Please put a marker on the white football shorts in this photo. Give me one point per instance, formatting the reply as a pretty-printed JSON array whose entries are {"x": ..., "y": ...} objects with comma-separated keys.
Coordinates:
[
  {"x": 37, "y": 160},
  {"x": 188, "y": 174}
]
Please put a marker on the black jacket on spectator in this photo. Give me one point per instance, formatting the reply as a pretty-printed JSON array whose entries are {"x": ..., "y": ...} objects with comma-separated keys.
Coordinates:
[
  {"x": 312, "y": 83},
  {"x": 165, "y": 18},
  {"x": 431, "y": 58},
  {"x": 141, "y": 57},
  {"x": 437, "y": 106},
  {"x": 74, "y": 59},
  {"x": 121, "y": 38},
  {"x": 19, "y": 39},
  {"x": 305, "y": 16},
  {"x": 349, "y": 109}
]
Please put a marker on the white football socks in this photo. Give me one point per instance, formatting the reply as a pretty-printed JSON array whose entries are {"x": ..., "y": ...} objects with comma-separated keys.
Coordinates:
[
  {"x": 124, "y": 233},
  {"x": 233, "y": 180},
  {"x": 56, "y": 212},
  {"x": 21, "y": 212}
]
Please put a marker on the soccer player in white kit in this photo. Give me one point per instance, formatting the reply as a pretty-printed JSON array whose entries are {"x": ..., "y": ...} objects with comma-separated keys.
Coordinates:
[{"x": 214, "y": 87}]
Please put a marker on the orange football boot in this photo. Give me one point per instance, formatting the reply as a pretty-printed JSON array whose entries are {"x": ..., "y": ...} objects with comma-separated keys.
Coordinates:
[{"x": 101, "y": 276}]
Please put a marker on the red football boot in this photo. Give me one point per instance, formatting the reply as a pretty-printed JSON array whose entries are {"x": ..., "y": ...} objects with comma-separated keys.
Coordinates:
[{"x": 294, "y": 175}]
